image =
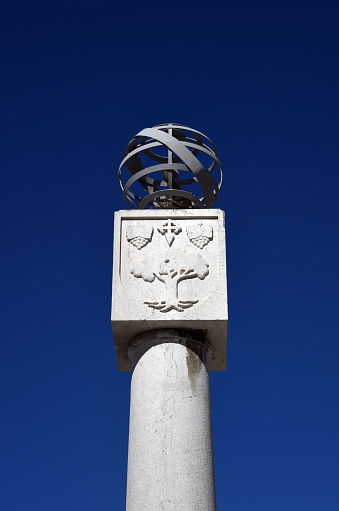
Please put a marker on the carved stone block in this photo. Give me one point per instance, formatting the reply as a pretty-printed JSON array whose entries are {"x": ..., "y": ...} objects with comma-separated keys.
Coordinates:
[{"x": 169, "y": 271}]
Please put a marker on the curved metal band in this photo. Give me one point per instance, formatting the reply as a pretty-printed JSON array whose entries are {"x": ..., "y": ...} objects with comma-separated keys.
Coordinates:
[
  {"x": 128, "y": 196},
  {"x": 187, "y": 157},
  {"x": 135, "y": 151},
  {"x": 145, "y": 148},
  {"x": 184, "y": 145},
  {"x": 142, "y": 177},
  {"x": 186, "y": 128},
  {"x": 196, "y": 149},
  {"x": 144, "y": 172}
]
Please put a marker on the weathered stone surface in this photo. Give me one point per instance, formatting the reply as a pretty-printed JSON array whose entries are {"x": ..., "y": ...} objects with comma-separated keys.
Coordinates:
[
  {"x": 170, "y": 452},
  {"x": 169, "y": 271}
]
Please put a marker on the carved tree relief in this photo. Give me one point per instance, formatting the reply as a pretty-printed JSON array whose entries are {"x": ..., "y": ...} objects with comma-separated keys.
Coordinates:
[{"x": 171, "y": 271}]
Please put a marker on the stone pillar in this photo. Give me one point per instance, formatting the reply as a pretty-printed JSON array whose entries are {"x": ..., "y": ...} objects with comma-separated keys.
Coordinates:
[
  {"x": 169, "y": 320},
  {"x": 170, "y": 453}
]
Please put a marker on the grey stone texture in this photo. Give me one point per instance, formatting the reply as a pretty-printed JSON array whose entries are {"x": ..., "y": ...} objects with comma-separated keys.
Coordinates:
[{"x": 170, "y": 454}]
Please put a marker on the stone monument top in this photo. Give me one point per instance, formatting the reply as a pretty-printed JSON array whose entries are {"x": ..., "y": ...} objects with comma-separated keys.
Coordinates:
[
  {"x": 170, "y": 166},
  {"x": 169, "y": 261},
  {"x": 169, "y": 313}
]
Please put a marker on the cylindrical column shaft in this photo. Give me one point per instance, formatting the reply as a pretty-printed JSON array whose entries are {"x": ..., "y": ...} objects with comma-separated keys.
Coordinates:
[{"x": 170, "y": 453}]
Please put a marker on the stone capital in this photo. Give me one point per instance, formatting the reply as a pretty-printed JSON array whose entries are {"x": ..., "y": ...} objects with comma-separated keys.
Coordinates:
[{"x": 169, "y": 271}]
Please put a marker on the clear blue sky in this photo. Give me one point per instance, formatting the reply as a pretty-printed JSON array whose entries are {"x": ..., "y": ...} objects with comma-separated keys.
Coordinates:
[{"x": 79, "y": 79}]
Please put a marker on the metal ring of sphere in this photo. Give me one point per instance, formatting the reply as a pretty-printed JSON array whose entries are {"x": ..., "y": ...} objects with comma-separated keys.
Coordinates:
[{"x": 178, "y": 157}]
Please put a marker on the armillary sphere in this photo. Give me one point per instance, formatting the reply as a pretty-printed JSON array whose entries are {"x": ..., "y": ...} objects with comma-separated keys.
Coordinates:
[{"x": 170, "y": 166}]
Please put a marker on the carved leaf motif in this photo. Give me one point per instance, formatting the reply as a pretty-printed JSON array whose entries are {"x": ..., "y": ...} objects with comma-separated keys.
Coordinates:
[
  {"x": 200, "y": 242},
  {"x": 139, "y": 242},
  {"x": 139, "y": 235},
  {"x": 140, "y": 270},
  {"x": 200, "y": 234}
]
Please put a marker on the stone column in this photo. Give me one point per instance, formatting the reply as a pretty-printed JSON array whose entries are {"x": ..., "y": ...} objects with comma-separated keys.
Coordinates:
[
  {"x": 169, "y": 320},
  {"x": 170, "y": 454}
]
